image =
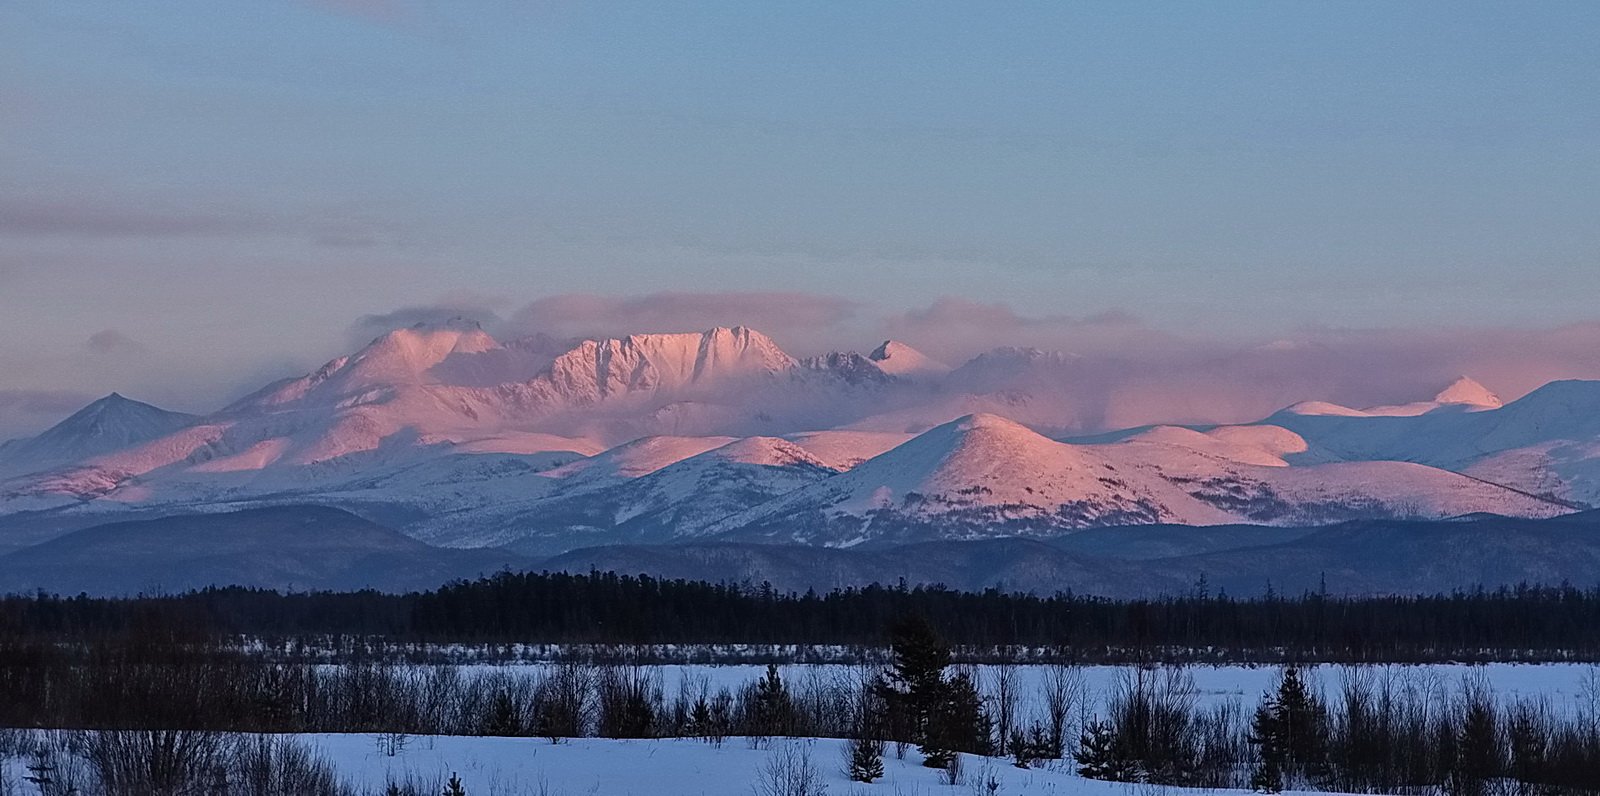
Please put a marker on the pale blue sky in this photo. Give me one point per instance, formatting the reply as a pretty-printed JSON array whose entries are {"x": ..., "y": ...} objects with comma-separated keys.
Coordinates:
[{"x": 227, "y": 185}]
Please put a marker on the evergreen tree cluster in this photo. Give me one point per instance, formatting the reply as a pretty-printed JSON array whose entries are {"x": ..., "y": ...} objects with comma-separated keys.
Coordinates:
[
  {"x": 942, "y": 713},
  {"x": 607, "y": 609}
]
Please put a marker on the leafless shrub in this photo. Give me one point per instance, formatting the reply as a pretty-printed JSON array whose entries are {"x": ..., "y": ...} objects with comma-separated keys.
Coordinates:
[
  {"x": 789, "y": 771},
  {"x": 628, "y": 701},
  {"x": 411, "y": 785},
  {"x": 1064, "y": 688},
  {"x": 564, "y": 701},
  {"x": 147, "y": 762},
  {"x": 266, "y": 765}
]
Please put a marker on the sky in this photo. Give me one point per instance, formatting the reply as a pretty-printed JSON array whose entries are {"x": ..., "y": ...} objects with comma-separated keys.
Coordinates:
[{"x": 199, "y": 195}]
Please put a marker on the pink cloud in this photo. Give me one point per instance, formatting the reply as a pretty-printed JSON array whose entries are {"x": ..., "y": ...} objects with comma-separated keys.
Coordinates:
[
  {"x": 111, "y": 341},
  {"x": 368, "y": 327},
  {"x": 802, "y": 321},
  {"x": 97, "y": 218},
  {"x": 1125, "y": 373},
  {"x": 956, "y": 328}
]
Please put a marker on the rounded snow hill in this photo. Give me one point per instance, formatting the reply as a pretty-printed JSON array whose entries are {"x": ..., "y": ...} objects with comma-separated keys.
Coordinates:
[
  {"x": 635, "y": 459},
  {"x": 844, "y": 449},
  {"x": 898, "y": 359},
  {"x": 1246, "y": 448},
  {"x": 983, "y": 471},
  {"x": 1323, "y": 409}
]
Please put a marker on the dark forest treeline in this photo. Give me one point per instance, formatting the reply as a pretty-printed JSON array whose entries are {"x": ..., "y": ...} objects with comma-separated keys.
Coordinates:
[{"x": 1525, "y": 623}]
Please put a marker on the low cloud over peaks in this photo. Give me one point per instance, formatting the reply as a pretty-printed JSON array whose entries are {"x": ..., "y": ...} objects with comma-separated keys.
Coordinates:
[
  {"x": 1125, "y": 372},
  {"x": 802, "y": 321},
  {"x": 956, "y": 328},
  {"x": 368, "y": 327}
]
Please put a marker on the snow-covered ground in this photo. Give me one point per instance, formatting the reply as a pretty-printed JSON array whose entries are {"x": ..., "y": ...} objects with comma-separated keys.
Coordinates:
[
  {"x": 1563, "y": 685},
  {"x": 491, "y": 766},
  {"x": 517, "y": 766},
  {"x": 666, "y": 767}
]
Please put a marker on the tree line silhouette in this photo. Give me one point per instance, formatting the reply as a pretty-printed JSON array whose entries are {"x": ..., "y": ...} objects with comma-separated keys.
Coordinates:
[{"x": 1521, "y": 623}]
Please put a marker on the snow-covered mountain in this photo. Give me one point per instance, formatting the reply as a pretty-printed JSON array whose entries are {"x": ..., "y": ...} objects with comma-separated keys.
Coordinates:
[
  {"x": 109, "y": 424},
  {"x": 677, "y": 502},
  {"x": 984, "y": 475},
  {"x": 463, "y": 440},
  {"x": 898, "y": 359}
]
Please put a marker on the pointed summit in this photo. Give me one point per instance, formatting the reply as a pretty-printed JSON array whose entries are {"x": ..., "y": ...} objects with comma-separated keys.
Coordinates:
[
  {"x": 1466, "y": 391},
  {"x": 898, "y": 359},
  {"x": 108, "y": 424}
]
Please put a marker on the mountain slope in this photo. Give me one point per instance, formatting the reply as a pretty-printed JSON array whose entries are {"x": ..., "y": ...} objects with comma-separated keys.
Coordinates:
[
  {"x": 285, "y": 547},
  {"x": 109, "y": 424},
  {"x": 1407, "y": 557},
  {"x": 981, "y": 475},
  {"x": 1357, "y": 557},
  {"x": 676, "y": 502},
  {"x": 1008, "y": 564},
  {"x": 984, "y": 476},
  {"x": 1546, "y": 443},
  {"x": 898, "y": 359}
]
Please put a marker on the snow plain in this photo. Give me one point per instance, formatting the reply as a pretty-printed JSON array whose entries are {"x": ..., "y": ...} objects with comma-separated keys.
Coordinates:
[{"x": 675, "y": 767}]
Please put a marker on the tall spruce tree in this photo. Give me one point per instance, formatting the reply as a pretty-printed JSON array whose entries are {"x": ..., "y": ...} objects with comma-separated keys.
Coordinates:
[
  {"x": 1266, "y": 735},
  {"x": 1478, "y": 753},
  {"x": 1303, "y": 721},
  {"x": 959, "y": 722},
  {"x": 774, "y": 711},
  {"x": 915, "y": 688},
  {"x": 1289, "y": 732}
]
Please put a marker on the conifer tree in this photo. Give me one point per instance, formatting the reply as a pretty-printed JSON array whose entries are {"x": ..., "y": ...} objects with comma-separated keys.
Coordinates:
[
  {"x": 1302, "y": 721},
  {"x": 454, "y": 786},
  {"x": 958, "y": 722},
  {"x": 915, "y": 688},
  {"x": 1266, "y": 734},
  {"x": 1100, "y": 754},
  {"x": 1288, "y": 731},
  {"x": 504, "y": 719},
  {"x": 865, "y": 763},
  {"x": 1478, "y": 753},
  {"x": 773, "y": 708}
]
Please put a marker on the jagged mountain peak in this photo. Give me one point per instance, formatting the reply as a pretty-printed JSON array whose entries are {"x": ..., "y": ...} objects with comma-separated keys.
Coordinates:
[
  {"x": 600, "y": 369},
  {"x": 1010, "y": 366},
  {"x": 850, "y": 366}
]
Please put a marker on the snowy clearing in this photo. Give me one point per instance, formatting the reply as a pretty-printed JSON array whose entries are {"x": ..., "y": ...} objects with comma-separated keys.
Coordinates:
[{"x": 603, "y": 767}]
